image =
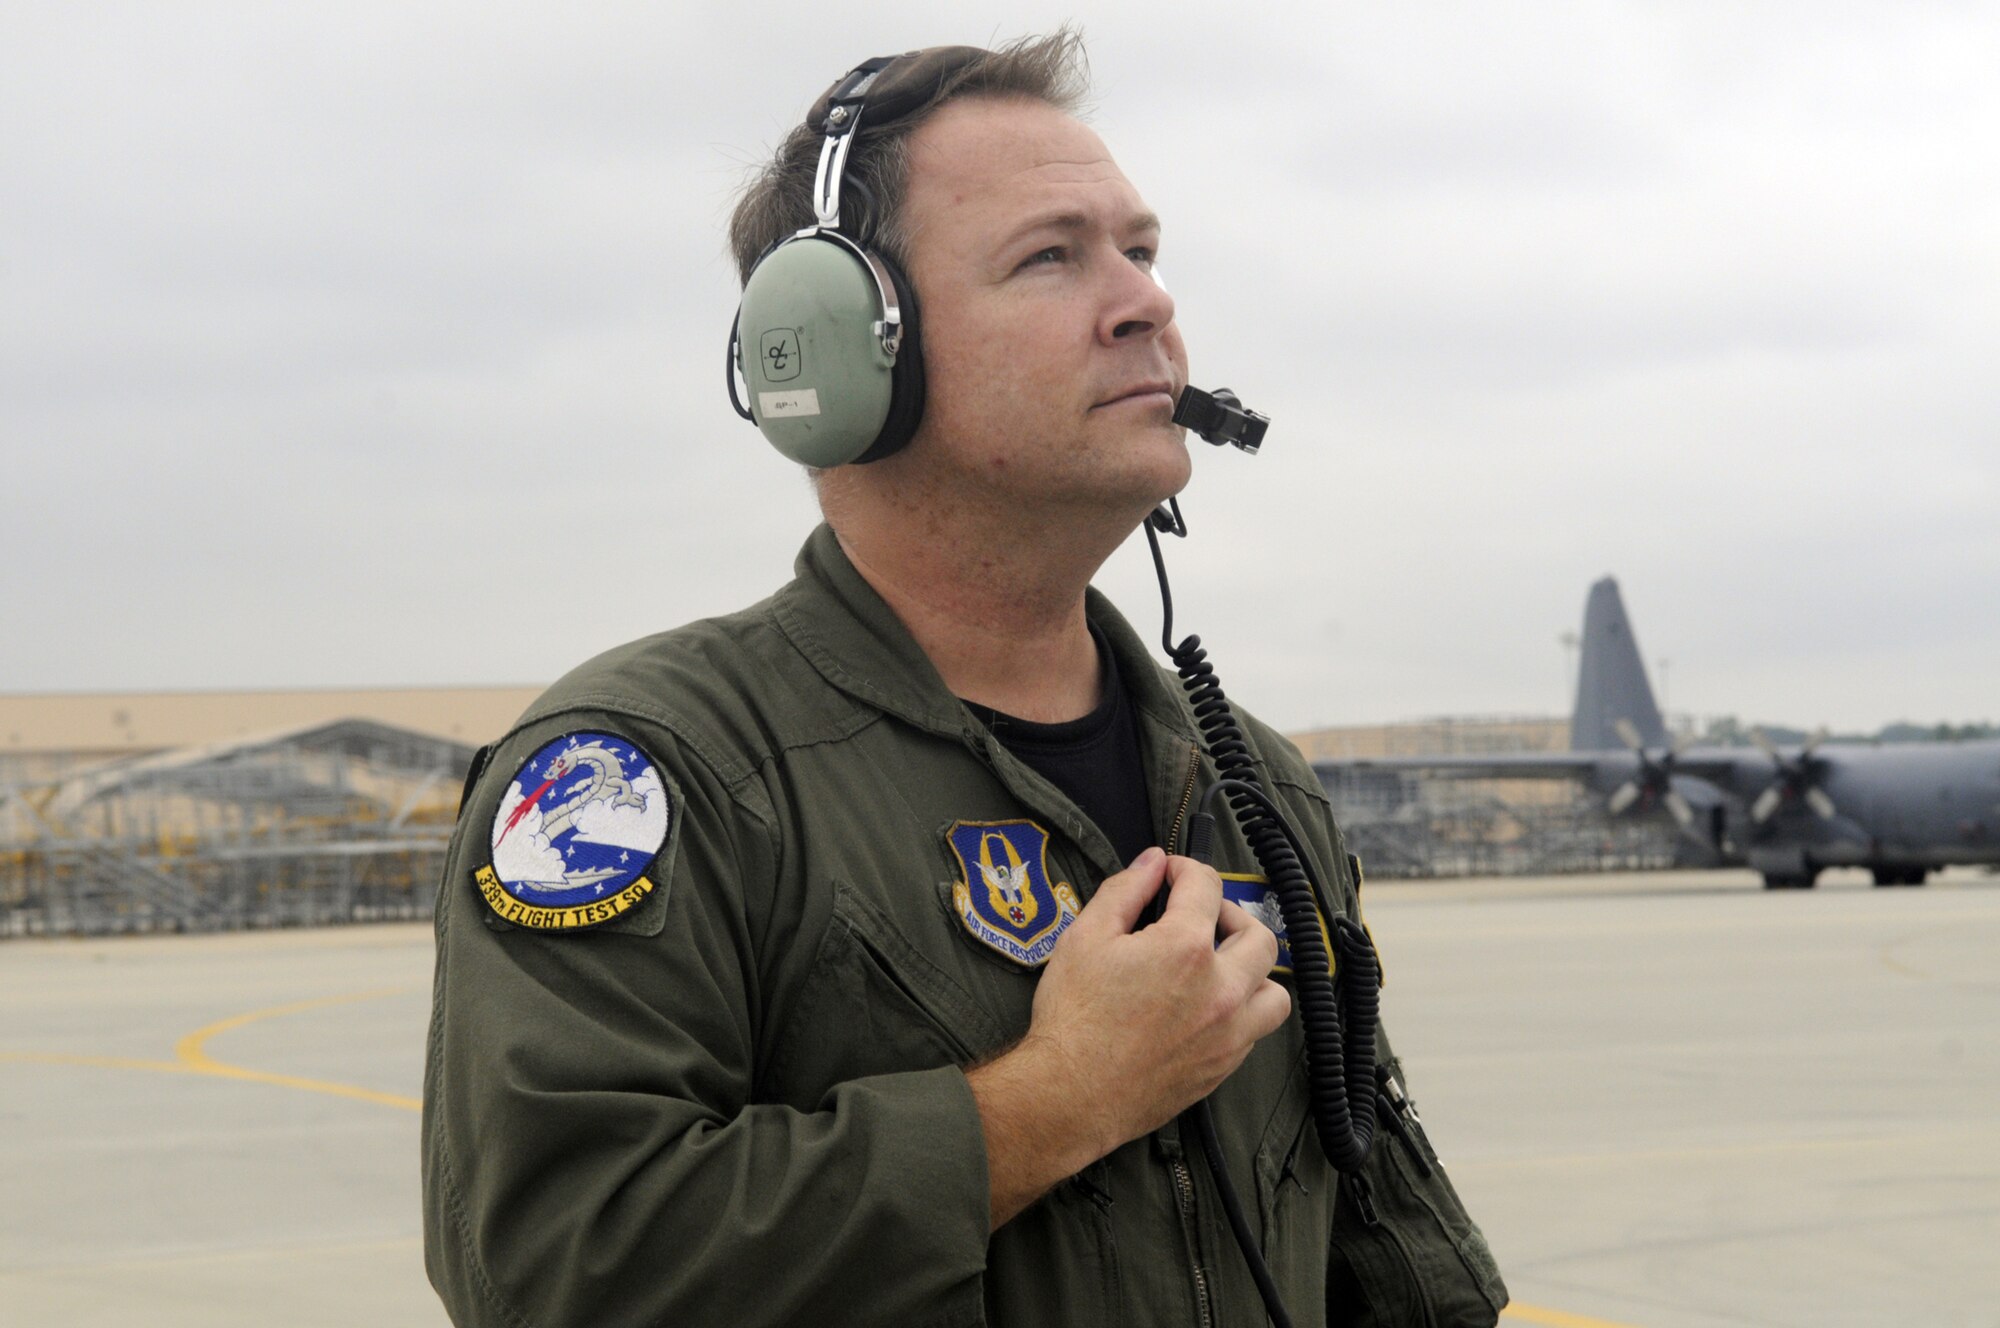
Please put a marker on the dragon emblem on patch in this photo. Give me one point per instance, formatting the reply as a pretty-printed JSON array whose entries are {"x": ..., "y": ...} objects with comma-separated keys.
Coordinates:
[
  {"x": 583, "y": 819},
  {"x": 1004, "y": 895}
]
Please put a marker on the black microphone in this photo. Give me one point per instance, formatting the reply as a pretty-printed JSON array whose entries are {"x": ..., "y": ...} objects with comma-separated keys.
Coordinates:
[{"x": 1220, "y": 417}]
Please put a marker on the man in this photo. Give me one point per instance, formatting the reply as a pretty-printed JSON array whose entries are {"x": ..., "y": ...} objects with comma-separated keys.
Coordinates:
[{"x": 791, "y": 966}]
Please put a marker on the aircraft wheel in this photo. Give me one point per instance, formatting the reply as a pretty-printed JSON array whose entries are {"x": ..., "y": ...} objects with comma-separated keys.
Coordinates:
[
  {"x": 1787, "y": 881},
  {"x": 1887, "y": 876}
]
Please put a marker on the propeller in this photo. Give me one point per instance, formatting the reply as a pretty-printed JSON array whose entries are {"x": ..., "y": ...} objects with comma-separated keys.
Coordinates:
[
  {"x": 1797, "y": 781},
  {"x": 1654, "y": 784}
]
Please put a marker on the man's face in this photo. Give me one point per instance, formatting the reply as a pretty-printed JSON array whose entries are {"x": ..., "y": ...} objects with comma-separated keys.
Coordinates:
[{"x": 1051, "y": 356}]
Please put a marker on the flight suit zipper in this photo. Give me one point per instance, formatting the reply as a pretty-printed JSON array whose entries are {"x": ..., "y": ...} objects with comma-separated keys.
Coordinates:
[
  {"x": 1176, "y": 1163},
  {"x": 1184, "y": 1199},
  {"x": 1187, "y": 799}
]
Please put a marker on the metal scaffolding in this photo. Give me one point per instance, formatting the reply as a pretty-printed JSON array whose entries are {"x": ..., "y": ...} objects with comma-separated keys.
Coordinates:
[
  {"x": 340, "y": 822},
  {"x": 1403, "y": 823},
  {"x": 349, "y": 821}
]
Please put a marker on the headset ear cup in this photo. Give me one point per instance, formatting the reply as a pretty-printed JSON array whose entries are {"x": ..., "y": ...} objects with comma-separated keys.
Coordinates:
[
  {"x": 821, "y": 380},
  {"x": 906, "y": 400}
]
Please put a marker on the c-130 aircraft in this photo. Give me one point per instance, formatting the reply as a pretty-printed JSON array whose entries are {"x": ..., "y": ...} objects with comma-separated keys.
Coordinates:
[{"x": 1902, "y": 810}]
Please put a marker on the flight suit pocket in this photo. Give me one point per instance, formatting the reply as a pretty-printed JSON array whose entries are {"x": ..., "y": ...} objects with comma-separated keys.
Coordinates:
[
  {"x": 1456, "y": 1264},
  {"x": 1294, "y": 1187},
  {"x": 1423, "y": 1245},
  {"x": 875, "y": 1004},
  {"x": 1068, "y": 1238}
]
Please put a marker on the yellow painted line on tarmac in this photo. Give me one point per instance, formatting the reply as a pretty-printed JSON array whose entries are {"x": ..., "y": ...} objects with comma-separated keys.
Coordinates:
[
  {"x": 192, "y": 1051},
  {"x": 191, "y": 1055},
  {"x": 1555, "y": 1318}
]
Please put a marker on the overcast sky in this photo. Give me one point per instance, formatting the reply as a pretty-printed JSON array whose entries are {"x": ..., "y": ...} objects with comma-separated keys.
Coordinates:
[{"x": 382, "y": 344}]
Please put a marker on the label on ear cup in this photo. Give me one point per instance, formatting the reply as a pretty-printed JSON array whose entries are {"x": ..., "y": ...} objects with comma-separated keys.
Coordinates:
[
  {"x": 779, "y": 356},
  {"x": 788, "y": 405}
]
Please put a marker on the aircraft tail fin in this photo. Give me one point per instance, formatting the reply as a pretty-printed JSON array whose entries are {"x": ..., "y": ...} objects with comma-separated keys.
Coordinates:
[{"x": 1611, "y": 679}]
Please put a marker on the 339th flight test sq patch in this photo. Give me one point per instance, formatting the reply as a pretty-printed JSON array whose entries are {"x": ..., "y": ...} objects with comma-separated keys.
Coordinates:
[{"x": 583, "y": 819}]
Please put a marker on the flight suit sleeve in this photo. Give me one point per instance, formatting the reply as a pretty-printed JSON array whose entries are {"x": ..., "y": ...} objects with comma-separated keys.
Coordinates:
[{"x": 594, "y": 1148}]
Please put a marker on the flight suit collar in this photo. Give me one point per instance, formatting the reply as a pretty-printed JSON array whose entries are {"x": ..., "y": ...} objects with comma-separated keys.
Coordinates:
[{"x": 858, "y": 644}]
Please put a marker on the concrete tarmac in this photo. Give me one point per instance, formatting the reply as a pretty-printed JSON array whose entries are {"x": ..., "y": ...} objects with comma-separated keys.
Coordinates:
[{"x": 1673, "y": 1101}]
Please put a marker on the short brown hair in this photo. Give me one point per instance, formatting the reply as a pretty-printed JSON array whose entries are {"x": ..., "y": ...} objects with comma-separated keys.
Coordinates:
[{"x": 778, "y": 200}]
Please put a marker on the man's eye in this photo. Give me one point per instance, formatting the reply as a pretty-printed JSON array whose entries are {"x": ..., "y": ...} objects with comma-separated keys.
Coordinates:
[
  {"x": 1055, "y": 253},
  {"x": 1141, "y": 255}
]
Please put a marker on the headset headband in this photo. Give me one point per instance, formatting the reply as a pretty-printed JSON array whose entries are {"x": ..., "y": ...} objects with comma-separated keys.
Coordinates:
[
  {"x": 837, "y": 375},
  {"x": 842, "y": 117},
  {"x": 902, "y": 84},
  {"x": 888, "y": 87}
]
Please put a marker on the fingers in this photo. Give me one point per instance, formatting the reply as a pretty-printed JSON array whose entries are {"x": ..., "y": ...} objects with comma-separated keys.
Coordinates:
[
  {"x": 1122, "y": 897},
  {"x": 1248, "y": 948},
  {"x": 1267, "y": 1009},
  {"x": 1196, "y": 893},
  {"x": 1234, "y": 918}
]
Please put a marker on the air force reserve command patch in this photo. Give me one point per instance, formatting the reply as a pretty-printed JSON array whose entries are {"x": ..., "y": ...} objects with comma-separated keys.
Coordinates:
[
  {"x": 575, "y": 833},
  {"x": 1004, "y": 895}
]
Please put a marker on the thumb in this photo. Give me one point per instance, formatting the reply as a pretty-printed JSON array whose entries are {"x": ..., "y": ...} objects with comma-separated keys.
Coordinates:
[{"x": 1122, "y": 897}]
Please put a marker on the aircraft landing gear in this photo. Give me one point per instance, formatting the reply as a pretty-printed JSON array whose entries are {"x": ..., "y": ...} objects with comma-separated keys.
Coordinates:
[
  {"x": 1901, "y": 875},
  {"x": 1784, "y": 868}
]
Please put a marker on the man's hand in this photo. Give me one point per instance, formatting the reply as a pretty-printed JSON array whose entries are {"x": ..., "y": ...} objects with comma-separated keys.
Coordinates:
[{"x": 1129, "y": 1027}]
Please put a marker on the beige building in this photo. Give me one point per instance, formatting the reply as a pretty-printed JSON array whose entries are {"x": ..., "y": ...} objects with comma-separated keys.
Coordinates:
[
  {"x": 1447, "y": 736},
  {"x": 41, "y": 734},
  {"x": 190, "y": 810},
  {"x": 1476, "y": 735},
  {"x": 46, "y": 732}
]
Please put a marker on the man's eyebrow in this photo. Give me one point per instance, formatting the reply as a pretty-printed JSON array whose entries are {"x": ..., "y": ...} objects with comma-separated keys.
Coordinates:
[{"x": 1077, "y": 221}]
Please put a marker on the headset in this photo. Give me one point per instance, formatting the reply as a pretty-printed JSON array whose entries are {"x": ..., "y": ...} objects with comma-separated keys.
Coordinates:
[{"x": 827, "y": 337}]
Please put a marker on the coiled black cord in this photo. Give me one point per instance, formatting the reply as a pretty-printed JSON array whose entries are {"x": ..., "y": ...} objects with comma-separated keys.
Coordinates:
[
  {"x": 1340, "y": 1004},
  {"x": 1340, "y": 1052}
]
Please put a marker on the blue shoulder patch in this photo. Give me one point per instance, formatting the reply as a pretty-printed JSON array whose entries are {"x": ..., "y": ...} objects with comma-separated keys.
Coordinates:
[{"x": 575, "y": 832}]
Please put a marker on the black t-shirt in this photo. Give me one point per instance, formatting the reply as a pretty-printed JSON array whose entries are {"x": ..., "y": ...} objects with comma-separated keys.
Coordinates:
[{"x": 1095, "y": 759}]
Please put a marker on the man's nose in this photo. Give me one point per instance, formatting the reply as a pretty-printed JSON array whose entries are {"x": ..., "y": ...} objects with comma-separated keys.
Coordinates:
[{"x": 1135, "y": 306}]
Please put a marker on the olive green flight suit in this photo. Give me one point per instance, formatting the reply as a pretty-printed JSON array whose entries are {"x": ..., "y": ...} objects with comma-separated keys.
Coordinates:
[{"x": 742, "y": 1101}]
